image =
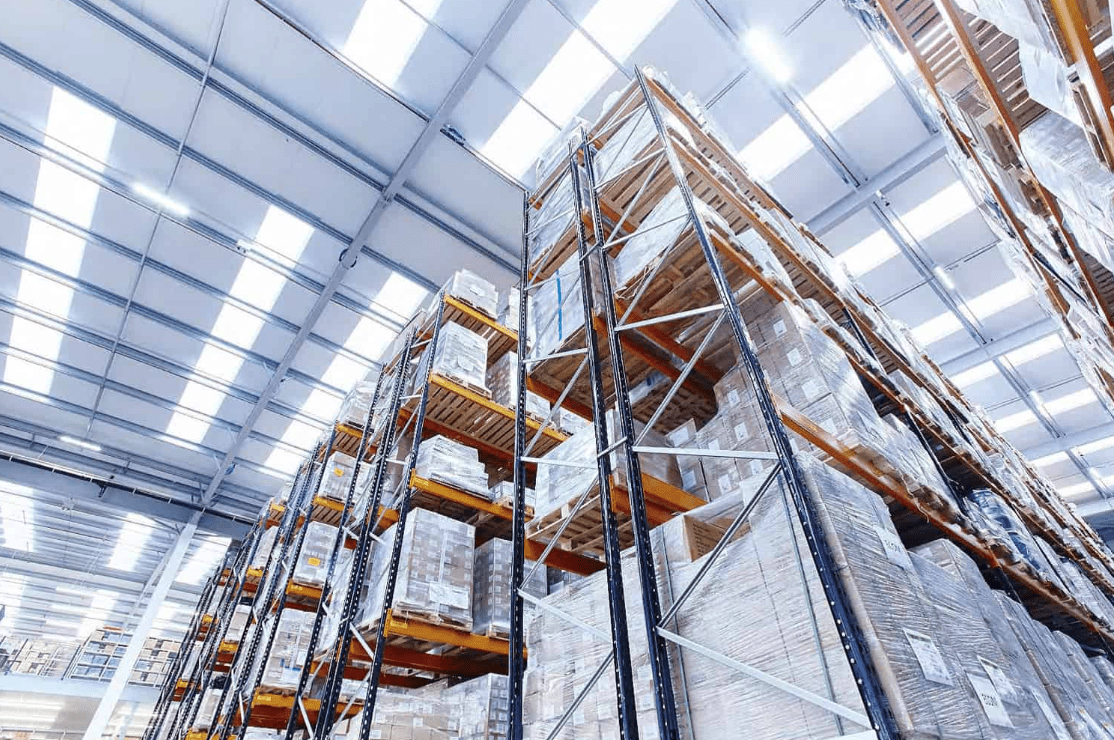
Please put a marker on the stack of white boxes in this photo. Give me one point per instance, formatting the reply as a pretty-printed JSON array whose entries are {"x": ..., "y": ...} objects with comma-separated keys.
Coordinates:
[
  {"x": 475, "y": 291},
  {"x": 452, "y": 463},
  {"x": 461, "y": 356},
  {"x": 283, "y": 665},
  {"x": 312, "y": 564},
  {"x": 502, "y": 379},
  {"x": 491, "y": 590}
]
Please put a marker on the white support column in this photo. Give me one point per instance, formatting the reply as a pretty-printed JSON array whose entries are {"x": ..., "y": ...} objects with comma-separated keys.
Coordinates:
[{"x": 119, "y": 681}]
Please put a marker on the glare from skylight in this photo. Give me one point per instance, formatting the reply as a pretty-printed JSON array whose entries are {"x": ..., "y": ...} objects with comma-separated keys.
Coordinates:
[
  {"x": 1035, "y": 350},
  {"x": 1053, "y": 459},
  {"x": 283, "y": 461},
  {"x": 1071, "y": 401},
  {"x": 322, "y": 404},
  {"x": 980, "y": 307},
  {"x": 83, "y": 131},
  {"x": 257, "y": 285},
  {"x": 868, "y": 254},
  {"x": 204, "y": 560},
  {"x": 936, "y": 329},
  {"x": 283, "y": 233},
  {"x": 573, "y": 75},
  {"x": 134, "y": 533},
  {"x": 941, "y": 209},
  {"x": 343, "y": 372},
  {"x": 168, "y": 204},
  {"x": 764, "y": 50},
  {"x": 17, "y": 514},
  {"x": 1096, "y": 446},
  {"x": 384, "y": 36},
  {"x": 519, "y": 138},
  {"x": 401, "y": 295},
  {"x": 98, "y": 612},
  {"x": 837, "y": 99},
  {"x": 1015, "y": 421},
  {"x": 301, "y": 435},
  {"x": 975, "y": 374},
  {"x": 1075, "y": 489}
]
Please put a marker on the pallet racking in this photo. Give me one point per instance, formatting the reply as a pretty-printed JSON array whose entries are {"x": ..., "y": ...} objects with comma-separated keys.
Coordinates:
[{"x": 658, "y": 346}]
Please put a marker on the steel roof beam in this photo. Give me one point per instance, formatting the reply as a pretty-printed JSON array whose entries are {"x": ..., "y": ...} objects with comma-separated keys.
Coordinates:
[
  {"x": 1070, "y": 441},
  {"x": 997, "y": 347},
  {"x": 29, "y": 565},
  {"x": 349, "y": 256}
]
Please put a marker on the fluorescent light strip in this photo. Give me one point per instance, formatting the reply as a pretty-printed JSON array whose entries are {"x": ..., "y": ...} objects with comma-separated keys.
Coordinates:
[{"x": 84, "y": 131}]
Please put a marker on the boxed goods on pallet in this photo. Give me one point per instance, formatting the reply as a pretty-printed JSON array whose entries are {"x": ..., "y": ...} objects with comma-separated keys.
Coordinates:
[
  {"x": 558, "y": 485},
  {"x": 357, "y": 404},
  {"x": 998, "y": 519},
  {"x": 1016, "y": 679},
  {"x": 482, "y": 705},
  {"x": 1046, "y": 81},
  {"x": 502, "y": 379},
  {"x": 503, "y": 493},
  {"x": 558, "y": 308},
  {"x": 633, "y": 140},
  {"x": 1089, "y": 674},
  {"x": 263, "y": 549},
  {"x": 452, "y": 463},
  {"x": 313, "y": 561},
  {"x": 282, "y": 666},
  {"x": 337, "y": 477},
  {"x": 238, "y": 623},
  {"x": 491, "y": 588},
  {"x": 1059, "y": 155},
  {"x": 461, "y": 356},
  {"x": 508, "y": 312},
  {"x": 422, "y": 714},
  {"x": 207, "y": 709},
  {"x": 434, "y": 573},
  {"x": 475, "y": 291}
]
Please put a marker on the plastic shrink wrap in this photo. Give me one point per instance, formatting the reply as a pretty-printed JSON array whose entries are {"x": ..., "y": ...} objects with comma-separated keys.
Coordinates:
[
  {"x": 1001, "y": 514},
  {"x": 482, "y": 707},
  {"x": 502, "y": 379},
  {"x": 337, "y": 477},
  {"x": 282, "y": 666},
  {"x": 263, "y": 550},
  {"x": 1062, "y": 160},
  {"x": 357, "y": 404},
  {"x": 503, "y": 493},
  {"x": 238, "y": 623},
  {"x": 207, "y": 709},
  {"x": 1046, "y": 80},
  {"x": 452, "y": 463},
  {"x": 472, "y": 289},
  {"x": 558, "y": 308},
  {"x": 491, "y": 589},
  {"x": 434, "y": 574},
  {"x": 556, "y": 485},
  {"x": 422, "y": 714},
  {"x": 461, "y": 356},
  {"x": 635, "y": 139},
  {"x": 1022, "y": 19},
  {"x": 508, "y": 313},
  {"x": 313, "y": 561}
]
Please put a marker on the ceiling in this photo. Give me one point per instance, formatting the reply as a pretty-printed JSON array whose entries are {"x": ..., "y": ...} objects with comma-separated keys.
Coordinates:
[{"x": 214, "y": 215}]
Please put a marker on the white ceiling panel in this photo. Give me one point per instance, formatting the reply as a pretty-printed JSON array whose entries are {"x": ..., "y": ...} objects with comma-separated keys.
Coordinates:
[
  {"x": 193, "y": 22},
  {"x": 21, "y": 408},
  {"x": 882, "y": 133}
]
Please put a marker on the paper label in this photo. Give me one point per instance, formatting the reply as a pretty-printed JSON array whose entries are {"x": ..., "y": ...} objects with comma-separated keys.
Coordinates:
[
  {"x": 338, "y": 472},
  {"x": 741, "y": 431},
  {"x": 895, "y": 551},
  {"x": 991, "y": 702},
  {"x": 1002, "y": 683},
  {"x": 1053, "y": 718},
  {"x": 725, "y": 483},
  {"x": 779, "y": 327},
  {"x": 733, "y": 397},
  {"x": 811, "y": 389},
  {"x": 756, "y": 467},
  {"x": 688, "y": 478},
  {"x": 795, "y": 357},
  {"x": 928, "y": 655},
  {"x": 314, "y": 561},
  {"x": 375, "y": 734},
  {"x": 679, "y": 436},
  {"x": 418, "y": 721}
]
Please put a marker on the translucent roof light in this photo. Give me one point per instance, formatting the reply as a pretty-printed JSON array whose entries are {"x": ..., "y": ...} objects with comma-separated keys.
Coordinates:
[
  {"x": 1035, "y": 350},
  {"x": 204, "y": 560},
  {"x": 384, "y": 37},
  {"x": 1015, "y": 421},
  {"x": 981, "y": 307},
  {"x": 765, "y": 51},
  {"x": 1075, "y": 489},
  {"x": 401, "y": 295},
  {"x": 1071, "y": 401},
  {"x": 1100, "y": 444},
  {"x": 17, "y": 514},
  {"x": 1053, "y": 459},
  {"x": 941, "y": 209},
  {"x": 133, "y": 536},
  {"x": 975, "y": 374},
  {"x": 868, "y": 254}
]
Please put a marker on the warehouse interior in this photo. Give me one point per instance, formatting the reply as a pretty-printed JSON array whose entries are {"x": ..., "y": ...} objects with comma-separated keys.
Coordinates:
[{"x": 223, "y": 223}]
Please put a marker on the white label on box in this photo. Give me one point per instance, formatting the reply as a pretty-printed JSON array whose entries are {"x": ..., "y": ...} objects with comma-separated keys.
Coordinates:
[
  {"x": 713, "y": 444},
  {"x": 418, "y": 721},
  {"x": 688, "y": 478},
  {"x": 741, "y": 431},
  {"x": 1002, "y": 683},
  {"x": 991, "y": 702},
  {"x": 779, "y": 327},
  {"x": 928, "y": 655},
  {"x": 725, "y": 483},
  {"x": 733, "y": 397},
  {"x": 811, "y": 389},
  {"x": 1052, "y": 716},
  {"x": 795, "y": 357},
  {"x": 375, "y": 734},
  {"x": 679, "y": 436},
  {"x": 895, "y": 551},
  {"x": 756, "y": 467}
]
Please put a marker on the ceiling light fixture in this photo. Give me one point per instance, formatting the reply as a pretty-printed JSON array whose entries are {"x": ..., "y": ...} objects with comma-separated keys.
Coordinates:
[{"x": 765, "y": 52}]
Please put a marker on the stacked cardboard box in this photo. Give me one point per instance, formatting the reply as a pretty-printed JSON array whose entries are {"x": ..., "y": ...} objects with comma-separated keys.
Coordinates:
[
  {"x": 337, "y": 477},
  {"x": 461, "y": 356},
  {"x": 434, "y": 575},
  {"x": 263, "y": 549},
  {"x": 452, "y": 463},
  {"x": 283, "y": 665},
  {"x": 357, "y": 404},
  {"x": 475, "y": 291},
  {"x": 502, "y": 379},
  {"x": 503, "y": 493},
  {"x": 312, "y": 564},
  {"x": 491, "y": 589}
]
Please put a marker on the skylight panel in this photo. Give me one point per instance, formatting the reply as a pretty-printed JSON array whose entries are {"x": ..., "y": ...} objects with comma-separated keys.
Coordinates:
[
  {"x": 134, "y": 533},
  {"x": 189, "y": 428},
  {"x": 766, "y": 52},
  {"x": 204, "y": 560},
  {"x": 300, "y": 434},
  {"x": 516, "y": 142},
  {"x": 941, "y": 209},
  {"x": 1015, "y": 421},
  {"x": 619, "y": 26},
  {"x": 257, "y": 285},
  {"x": 369, "y": 338},
  {"x": 51, "y": 246},
  {"x": 201, "y": 398},
  {"x": 322, "y": 404},
  {"x": 343, "y": 373},
  {"x": 219, "y": 363},
  {"x": 1071, "y": 401},
  {"x": 572, "y": 76},
  {"x": 1075, "y": 489},
  {"x": 974, "y": 375},
  {"x": 773, "y": 150},
  {"x": 283, "y": 233},
  {"x": 384, "y": 36},
  {"x": 1096, "y": 446},
  {"x": 936, "y": 329},
  {"x": 283, "y": 461},
  {"x": 237, "y": 326},
  {"x": 869, "y": 254},
  {"x": 401, "y": 295},
  {"x": 44, "y": 294},
  {"x": 98, "y": 611},
  {"x": 1035, "y": 350},
  {"x": 17, "y": 514},
  {"x": 999, "y": 298},
  {"x": 857, "y": 83},
  {"x": 80, "y": 127},
  {"x": 1048, "y": 460}
]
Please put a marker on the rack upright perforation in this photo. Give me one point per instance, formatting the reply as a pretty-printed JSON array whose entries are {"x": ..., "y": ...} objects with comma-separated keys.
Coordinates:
[{"x": 670, "y": 322}]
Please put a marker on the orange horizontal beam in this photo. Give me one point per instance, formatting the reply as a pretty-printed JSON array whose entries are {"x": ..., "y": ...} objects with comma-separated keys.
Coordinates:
[{"x": 471, "y": 500}]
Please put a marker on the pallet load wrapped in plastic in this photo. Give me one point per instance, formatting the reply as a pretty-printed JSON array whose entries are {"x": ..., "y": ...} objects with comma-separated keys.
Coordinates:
[
  {"x": 434, "y": 574},
  {"x": 558, "y": 309},
  {"x": 503, "y": 493},
  {"x": 502, "y": 379},
  {"x": 557, "y": 485},
  {"x": 482, "y": 706},
  {"x": 1025, "y": 20},
  {"x": 461, "y": 356},
  {"x": 475, "y": 291},
  {"x": 508, "y": 312},
  {"x": 421, "y": 714},
  {"x": 1085, "y": 592},
  {"x": 1006, "y": 713},
  {"x": 634, "y": 139},
  {"x": 357, "y": 404},
  {"x": 1016, "y": 679},
  {"x": 337, "y": 477},
  {"x": 446, "y": 461},
  {"x": 282, "y": 666},
  {"x": 999, "y": 517},
  {"x": 1078, "y": 709},
  {"x": 491, "y": 588},
  {"x": 208, "y": 707},
  {"x": 313, "y": 561},
  {"x": 238, "y": 623},
  {"x": 263, "y": 549},
  {"x": 1105, "y": 669},
  {"x": 1058, "y": 152},
  {"x": 1046, "y": 81},
  {"x": 1089, "y": 674}
]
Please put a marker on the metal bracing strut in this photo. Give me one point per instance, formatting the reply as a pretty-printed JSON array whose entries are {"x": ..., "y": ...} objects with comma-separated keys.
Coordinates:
[{"x": 854, "y": 645}]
